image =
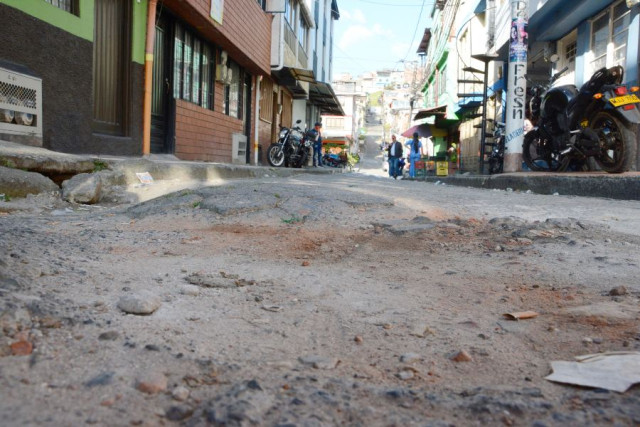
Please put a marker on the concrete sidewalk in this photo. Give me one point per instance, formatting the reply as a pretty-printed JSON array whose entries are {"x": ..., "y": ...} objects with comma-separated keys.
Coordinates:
[{"x": 61, "y": 166}]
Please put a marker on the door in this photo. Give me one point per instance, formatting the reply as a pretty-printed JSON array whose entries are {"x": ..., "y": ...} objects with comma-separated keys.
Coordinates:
[
  {"x": 161, "y": 89},
  {"x": 111, "y": 62}
]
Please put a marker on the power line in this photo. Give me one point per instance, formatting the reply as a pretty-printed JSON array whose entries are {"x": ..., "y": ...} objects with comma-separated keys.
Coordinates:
[{"x": 415, "y": 31}]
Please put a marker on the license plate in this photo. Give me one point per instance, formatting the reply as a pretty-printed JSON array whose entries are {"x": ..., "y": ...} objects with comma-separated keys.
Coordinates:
[{"x": 624, "y": 100}]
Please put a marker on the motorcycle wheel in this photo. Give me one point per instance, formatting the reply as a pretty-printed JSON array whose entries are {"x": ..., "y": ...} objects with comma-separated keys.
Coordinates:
[
  {"x": 495, "y": 166},
  {"x": 275, "y": 155},
  {"x": 617, "y": 142},
  {"x": 537, "y": 154}
]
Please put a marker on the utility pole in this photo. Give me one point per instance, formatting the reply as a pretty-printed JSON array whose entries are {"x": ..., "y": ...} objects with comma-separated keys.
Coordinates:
[{"x": 516, "y": 85}]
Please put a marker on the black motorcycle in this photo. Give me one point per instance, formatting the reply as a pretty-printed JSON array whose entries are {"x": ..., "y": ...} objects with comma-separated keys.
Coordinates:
[
  {"x": 572, "y": 127},
  {"x": 496, "y": 157},
  {"x": 292, "y": 149}
]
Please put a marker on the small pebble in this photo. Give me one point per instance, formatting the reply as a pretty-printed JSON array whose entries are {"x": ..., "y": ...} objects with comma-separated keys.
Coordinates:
[
  {"x": 180, "y": 393},
  {"x": 462, "y": 356},
  {"x": 405, "y": 374}
]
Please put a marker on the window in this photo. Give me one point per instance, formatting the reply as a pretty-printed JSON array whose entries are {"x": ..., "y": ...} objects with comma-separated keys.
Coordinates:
[
  {"x": 334, "y": 122},
  {"x": 302, "y": 33},
  {"x": 233, "y": 101},
  {"x": 193, "y": 68},
  {"x": 609, "y": 33},
  {"x": 70, "y": 6},
  {"x": 442, "y": 80},
  {"x": 570, "y": 51},
  {"x": 290, "y": 12}
]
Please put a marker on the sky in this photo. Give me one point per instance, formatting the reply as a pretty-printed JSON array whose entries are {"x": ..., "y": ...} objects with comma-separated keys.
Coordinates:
[{"x": 378, "y": 34}]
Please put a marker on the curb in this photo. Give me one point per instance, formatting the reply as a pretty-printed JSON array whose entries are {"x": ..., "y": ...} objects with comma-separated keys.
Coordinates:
[{"x": 621, "y": 186}]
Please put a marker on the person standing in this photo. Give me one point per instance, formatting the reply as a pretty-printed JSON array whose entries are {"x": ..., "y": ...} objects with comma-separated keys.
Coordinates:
[
  {"x": 415, "y": 153},
  {"x": 317, "y": 145},
  {"x": 395, "y": 153}
]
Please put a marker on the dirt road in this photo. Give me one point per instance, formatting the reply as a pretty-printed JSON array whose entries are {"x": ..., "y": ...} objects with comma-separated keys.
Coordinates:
[{"x": 317, "y": 300}]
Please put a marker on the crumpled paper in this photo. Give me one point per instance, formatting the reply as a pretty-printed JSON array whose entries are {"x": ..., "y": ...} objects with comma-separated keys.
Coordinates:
[{"x": 616, "y": 371}]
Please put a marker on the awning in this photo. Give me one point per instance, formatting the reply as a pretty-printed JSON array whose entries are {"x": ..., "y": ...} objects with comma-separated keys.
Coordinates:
[
  {"x": 322, "y": 95},
  {"x": 424, "y": 43},
  {"x": 481, "y": 7},
  {"x": 336, "y": 140},
  {"x": 428, "y": 112},
  {"x": 554, "y": 19},
  {"x": 286, "y": 77},
  {"x": 497, "y": 86},
  {"x": 302, "y": 75}
]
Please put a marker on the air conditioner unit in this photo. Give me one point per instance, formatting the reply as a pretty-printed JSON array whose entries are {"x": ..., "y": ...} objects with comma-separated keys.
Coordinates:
[
  {"x": 221, "y": 73},
  {"x": 20, "y": 104}
]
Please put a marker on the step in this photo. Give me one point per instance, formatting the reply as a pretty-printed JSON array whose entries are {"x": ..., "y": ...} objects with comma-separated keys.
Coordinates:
[
  {"x": 472, "y": 70},
  {"x": 475, "y": 82}
]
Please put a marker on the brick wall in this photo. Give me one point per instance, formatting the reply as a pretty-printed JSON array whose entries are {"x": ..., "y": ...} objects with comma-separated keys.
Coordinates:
[
  {"x": 203, "y": 134},
  {"x": 245, "y": 31}
]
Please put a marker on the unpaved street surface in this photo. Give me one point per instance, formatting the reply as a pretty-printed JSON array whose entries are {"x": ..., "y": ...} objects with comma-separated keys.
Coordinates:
[{"x": 313, "y": 301}]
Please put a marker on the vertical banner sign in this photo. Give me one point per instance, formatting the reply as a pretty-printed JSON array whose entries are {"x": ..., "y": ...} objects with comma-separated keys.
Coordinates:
[
  {"x": 516, "y": 85},
  {"x": 216, "y": 10}
]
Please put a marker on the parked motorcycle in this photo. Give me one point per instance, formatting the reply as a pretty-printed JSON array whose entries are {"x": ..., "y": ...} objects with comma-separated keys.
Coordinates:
[
  {"x": 496, "y": 157},
  {"x": 572, "y": 127},
  {"x": 334, "y": 160},
  {"x": 292, "y": 149}
]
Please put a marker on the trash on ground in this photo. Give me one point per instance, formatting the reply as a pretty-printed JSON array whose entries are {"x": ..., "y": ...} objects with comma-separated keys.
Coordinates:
[
  {"x": 145, "y": 177},
  {"x": 521, "y": 315},
  {"x": 616, "y": 371}
]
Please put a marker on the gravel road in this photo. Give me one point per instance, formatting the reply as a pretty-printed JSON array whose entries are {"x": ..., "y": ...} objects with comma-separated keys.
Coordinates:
[{"x": 316, "y": 300}]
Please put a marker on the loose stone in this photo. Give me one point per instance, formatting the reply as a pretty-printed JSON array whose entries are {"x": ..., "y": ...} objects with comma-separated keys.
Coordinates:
[
  {"x": 180, "y": 393},
  {"x": 139, "y": 304},
  {"x": 462, "y": 356},
  {"x": 152, "y": 383}
]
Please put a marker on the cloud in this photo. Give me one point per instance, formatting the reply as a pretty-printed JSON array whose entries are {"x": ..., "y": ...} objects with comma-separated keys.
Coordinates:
[
  {"x": 400, "y": 49},
  {"x": 356, "y": 16},
  {"x": 381, "y": 31},
  {"x": 353, "y": 35}
]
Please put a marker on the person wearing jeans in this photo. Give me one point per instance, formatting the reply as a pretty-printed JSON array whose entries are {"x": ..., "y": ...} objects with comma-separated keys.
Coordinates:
[
  {"x": 395, "y": 153},
  {"x": 415, "y": 150},
  {"x": 317, "y": 146}
]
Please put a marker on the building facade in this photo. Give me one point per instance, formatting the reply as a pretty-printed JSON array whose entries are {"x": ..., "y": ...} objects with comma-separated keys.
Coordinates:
[
  {"x": 589, "y": 35},
  {"x": 213, "y": 93}
]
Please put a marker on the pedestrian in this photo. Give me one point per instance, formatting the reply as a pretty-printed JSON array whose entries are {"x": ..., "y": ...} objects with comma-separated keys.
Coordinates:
[
  {"x": 317, "y": 145},
  {"x": 395, "y": 153},
  {"x": 415, "y": 153}
]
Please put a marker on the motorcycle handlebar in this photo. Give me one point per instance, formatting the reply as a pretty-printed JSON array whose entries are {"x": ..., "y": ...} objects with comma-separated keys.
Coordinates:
[{"x": 557, "y": 75}]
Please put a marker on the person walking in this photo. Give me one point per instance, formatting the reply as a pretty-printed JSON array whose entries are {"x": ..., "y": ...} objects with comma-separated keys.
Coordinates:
[
  {"x": 395, "y": 153},
  {"x": 317, "y": 145},
  {"x": 415, "y": 153}
]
